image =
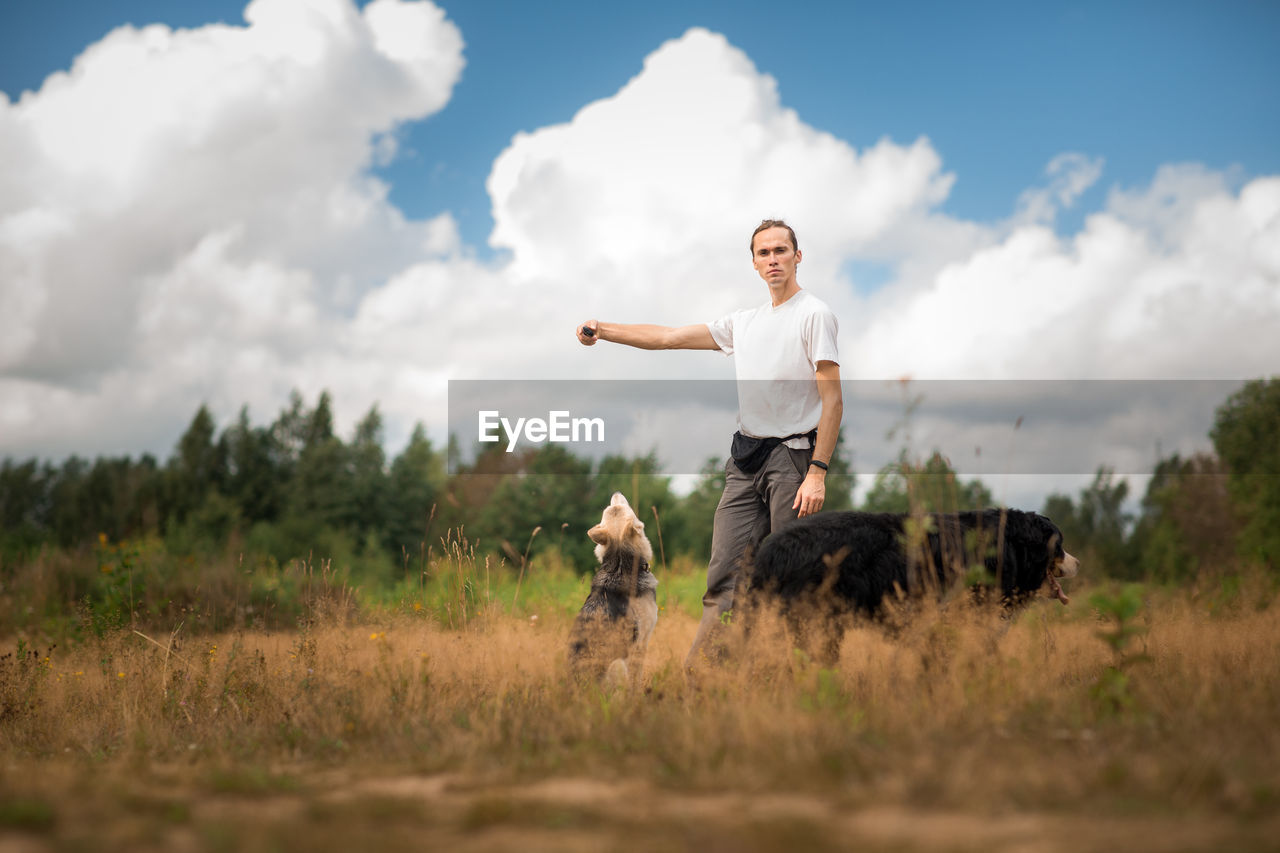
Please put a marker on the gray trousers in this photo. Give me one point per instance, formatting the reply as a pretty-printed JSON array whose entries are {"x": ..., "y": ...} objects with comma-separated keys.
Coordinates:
[{"x": 752, "y": 506}]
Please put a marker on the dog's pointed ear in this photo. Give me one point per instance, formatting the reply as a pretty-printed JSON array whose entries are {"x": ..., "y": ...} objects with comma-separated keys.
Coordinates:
[{"x": 599, "y": 535}]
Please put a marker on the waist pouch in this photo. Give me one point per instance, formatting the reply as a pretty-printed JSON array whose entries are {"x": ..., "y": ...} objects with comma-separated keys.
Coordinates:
[{"x": 750, "y": 453}]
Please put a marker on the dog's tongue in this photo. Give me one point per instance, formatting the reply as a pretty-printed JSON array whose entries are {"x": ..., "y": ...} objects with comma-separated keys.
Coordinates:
[{"x": 1055, "y": 590}]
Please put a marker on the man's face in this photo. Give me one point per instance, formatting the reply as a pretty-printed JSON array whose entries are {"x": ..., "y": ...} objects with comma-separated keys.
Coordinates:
[{"x": 773, "y": 256}]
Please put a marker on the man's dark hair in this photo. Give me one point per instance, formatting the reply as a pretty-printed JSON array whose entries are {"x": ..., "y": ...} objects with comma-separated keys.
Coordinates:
[{"x": 773, "y": 223}]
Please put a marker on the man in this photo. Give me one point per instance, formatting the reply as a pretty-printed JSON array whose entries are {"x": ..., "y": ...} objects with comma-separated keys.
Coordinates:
[{"x": 789, "y": 410}]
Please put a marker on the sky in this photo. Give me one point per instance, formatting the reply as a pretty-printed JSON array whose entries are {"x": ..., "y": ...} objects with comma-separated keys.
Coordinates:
[{"x": 215, "y": 203}]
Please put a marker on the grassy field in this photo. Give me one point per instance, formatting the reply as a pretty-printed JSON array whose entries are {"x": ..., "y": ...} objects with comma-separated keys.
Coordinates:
[{"x": 442, "y": 716}]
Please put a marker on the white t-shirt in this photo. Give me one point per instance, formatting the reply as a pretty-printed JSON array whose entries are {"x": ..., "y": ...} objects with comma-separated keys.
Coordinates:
[{"x": 777, "y": 352}]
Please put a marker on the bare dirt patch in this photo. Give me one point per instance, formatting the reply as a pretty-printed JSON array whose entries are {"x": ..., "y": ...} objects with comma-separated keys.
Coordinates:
[{"x": 455, "y": 812}]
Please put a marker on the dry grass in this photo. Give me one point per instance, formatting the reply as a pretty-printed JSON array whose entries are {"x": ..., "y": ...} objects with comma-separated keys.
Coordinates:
[{"x": 402, "y": 733}]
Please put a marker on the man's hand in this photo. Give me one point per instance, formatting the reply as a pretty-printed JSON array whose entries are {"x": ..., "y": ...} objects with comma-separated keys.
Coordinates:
[
  {"x": 812, "y": 493},
  {"x": 588, "y": 333}
]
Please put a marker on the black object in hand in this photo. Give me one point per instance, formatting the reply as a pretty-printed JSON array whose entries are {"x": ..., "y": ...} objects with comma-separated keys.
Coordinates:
[{"x": 588, "y": 331}]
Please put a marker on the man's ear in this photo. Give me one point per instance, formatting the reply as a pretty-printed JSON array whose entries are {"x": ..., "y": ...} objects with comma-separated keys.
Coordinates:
[{"x": 799, "y": 255}]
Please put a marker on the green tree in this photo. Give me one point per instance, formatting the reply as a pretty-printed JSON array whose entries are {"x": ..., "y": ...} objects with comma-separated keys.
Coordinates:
[
  {"x": 552, "y": 492},
  {"x": 256, "y": 481},
  {"x": 414, "y": 485},
  {"x": 289, "y": 433},
  {"x": 932, "y": 486},
  {"x": 71, "y": 516},
  {"x": 320, "y": 490},
  {"x": 368, "y": 471},
  {"x": 471, "y": 487},
  {"x": 110, "y": 501},
  {"x": 146, "y": 495},
  {"x": 1246, "y": 436},
  {"x": 74, "y": 503},
  {"x": 24, "y": 505},
  {"x": 1096, "y": 527},
  {"x": 197, "y": 467},
  {"x": 688, "y": 529},
  {"x": 297, "y": 476},
  {"x": 1187, "y": 526}
]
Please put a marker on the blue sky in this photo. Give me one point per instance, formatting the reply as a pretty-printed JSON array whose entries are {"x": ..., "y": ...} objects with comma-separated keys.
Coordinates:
[{"x": 998, "y": 87}]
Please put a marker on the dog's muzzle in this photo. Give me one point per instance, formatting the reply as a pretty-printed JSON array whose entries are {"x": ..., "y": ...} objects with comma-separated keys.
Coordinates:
[{"x": 1068, "y": 567}]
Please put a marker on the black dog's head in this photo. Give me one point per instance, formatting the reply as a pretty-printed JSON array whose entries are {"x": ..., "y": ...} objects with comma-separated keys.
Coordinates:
[
  {"x": 1043, "y": 557},
  {"x": 1063, "y": 565},
  {"x": 1060, "y": 563}
]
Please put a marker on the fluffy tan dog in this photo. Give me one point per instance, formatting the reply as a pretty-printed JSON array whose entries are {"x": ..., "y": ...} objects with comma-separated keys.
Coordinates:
[{"x": 612, "y": 631}]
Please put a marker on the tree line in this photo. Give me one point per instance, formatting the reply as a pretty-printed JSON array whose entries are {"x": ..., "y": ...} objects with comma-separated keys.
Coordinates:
[{"x": 293, "y": 488}]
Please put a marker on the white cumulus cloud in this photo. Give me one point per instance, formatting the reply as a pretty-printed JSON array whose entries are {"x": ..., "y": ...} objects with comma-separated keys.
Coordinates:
[
  {"x": 1175, "y": 281},
  {"x": 189, "y": 214}
]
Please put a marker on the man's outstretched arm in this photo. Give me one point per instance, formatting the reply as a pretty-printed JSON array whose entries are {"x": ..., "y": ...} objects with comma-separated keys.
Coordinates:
[{"x": 644, "y": 336}]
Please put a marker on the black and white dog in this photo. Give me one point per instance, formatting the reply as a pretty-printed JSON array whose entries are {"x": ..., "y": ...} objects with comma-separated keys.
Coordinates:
[
  {"x": 612, "y": 630},
  {"x": 827, "y": 567}
]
